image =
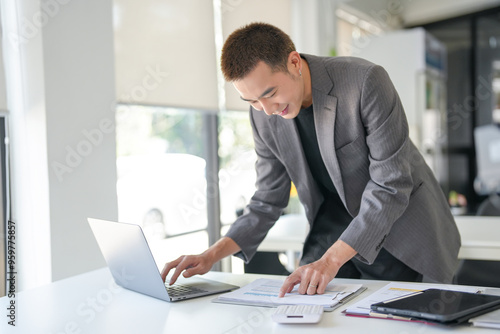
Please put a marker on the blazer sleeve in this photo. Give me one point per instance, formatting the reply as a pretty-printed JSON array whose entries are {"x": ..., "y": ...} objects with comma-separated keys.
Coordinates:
[
  {"x": 387, "y": 193},
  {"x": 271, "y": 197}
]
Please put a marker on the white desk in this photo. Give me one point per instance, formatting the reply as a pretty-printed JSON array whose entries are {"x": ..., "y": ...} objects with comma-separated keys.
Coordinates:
[
  {"x": 480, "y": 237},
  {"x": 92, "y": 303},
  {"x": 287, "y": 235}
]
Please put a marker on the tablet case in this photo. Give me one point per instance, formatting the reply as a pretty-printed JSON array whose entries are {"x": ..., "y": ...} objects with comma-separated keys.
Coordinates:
[{"x": 441, "y": 306}]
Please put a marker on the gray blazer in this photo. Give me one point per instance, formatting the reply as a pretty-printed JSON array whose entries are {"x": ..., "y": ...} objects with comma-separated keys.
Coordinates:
[{"x": 382, "y": 179}]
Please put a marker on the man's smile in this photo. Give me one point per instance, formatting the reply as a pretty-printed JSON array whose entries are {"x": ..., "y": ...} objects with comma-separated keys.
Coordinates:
[{"x": 284, "y": 112}]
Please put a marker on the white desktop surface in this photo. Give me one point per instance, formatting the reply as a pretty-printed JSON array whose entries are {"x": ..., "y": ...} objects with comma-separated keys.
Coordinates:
[
  {"x": 91, "y": 303},
  {"x": 479, "y": 236}
]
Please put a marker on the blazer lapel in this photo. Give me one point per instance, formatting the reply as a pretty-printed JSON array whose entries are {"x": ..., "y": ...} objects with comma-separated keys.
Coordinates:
[
  {"x": 288, "y": 140},
  {"x": 287, "y": 137},
  {"x": 325, "y": 111},
  {"x": 324, "y": 121}
]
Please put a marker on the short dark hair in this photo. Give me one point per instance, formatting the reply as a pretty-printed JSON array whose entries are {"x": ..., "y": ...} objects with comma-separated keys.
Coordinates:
[{"x": 249, "y": 45}]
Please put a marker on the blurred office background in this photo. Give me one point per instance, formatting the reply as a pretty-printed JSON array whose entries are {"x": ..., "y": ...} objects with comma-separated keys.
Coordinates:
[{"x": 118, "y": 110}]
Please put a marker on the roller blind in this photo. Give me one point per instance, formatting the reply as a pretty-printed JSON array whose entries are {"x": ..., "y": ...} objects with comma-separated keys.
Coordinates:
[{"x": 165, "y": 53}]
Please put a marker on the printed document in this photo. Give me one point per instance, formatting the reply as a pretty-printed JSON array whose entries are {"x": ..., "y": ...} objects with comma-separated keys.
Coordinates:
[
  {"x": 488, "y": 320},
  {"x": 264, "y": 292}
]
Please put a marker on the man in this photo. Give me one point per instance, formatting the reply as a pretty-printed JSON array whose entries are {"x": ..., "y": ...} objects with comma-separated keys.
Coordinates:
[{"x": 336, "y": 128}]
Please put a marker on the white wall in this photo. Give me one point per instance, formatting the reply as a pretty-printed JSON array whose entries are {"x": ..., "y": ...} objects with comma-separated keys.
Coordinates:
[
  {"x": 306, "y": 36},
  {"x": 80, "y": 113},
  {"x": 60, "y": 86}
]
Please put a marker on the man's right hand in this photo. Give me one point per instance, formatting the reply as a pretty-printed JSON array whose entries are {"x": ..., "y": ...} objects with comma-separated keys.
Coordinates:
[
  {"x": 190, "y": 264},
  {"x": 202, "y": 263}
]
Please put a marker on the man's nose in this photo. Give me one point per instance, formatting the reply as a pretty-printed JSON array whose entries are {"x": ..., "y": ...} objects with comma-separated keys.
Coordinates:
[{"x": 269, "y": 108}]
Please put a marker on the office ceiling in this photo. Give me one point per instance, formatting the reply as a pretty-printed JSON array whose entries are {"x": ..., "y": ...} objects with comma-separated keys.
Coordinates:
[{"x": 415, "y": 12}]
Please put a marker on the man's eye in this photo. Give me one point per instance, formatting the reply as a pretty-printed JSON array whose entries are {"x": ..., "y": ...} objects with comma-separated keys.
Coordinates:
[{"x": 271, "y": 95}]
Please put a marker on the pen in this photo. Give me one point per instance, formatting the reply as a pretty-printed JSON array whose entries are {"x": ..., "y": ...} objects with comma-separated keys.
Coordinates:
[
  {"x": 402, "y": 297},
  {"x": 388, "y": 316}
]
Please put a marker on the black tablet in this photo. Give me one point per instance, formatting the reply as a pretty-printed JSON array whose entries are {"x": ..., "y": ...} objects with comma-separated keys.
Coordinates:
[{"x": 439, "y": 305}]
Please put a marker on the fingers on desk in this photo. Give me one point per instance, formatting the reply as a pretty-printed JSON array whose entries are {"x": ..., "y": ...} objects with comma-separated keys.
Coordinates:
[
  {"x": 311, "y": 282},
  {"x": 319, "y": 285},
  {"x": 287, "y": 286}
]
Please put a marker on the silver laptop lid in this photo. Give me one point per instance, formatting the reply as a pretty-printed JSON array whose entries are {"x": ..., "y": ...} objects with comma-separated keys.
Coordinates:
[{"x": 129, "y": 258}]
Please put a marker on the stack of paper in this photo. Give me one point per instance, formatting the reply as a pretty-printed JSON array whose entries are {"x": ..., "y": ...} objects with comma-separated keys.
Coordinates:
[
  {"x": 264, "y": 292},
  {"x": 489, "y": 320}
]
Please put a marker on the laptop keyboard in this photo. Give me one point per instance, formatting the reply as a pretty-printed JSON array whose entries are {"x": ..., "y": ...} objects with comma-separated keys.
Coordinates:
[{"x": 182, "y": 290}]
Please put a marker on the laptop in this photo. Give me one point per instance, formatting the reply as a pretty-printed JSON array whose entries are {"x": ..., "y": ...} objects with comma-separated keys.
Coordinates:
[
  {"x": 441, "y": 306},
  {"x": 133, "y": 267}
]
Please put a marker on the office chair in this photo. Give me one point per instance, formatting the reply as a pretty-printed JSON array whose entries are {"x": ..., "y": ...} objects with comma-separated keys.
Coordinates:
[
  {"x": 481, "y": 272},
  {"x": 490, "y": 206}
]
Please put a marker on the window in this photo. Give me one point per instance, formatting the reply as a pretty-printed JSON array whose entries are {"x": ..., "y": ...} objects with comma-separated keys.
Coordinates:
[
  {"x": 161, "y": 177},
  {"x": 162, "y": 184},
  {"x": 237, "y": 164},
  {"x": 353, "y": 33}
]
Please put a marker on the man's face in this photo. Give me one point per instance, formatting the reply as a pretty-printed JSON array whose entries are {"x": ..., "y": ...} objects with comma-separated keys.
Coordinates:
[{"x": 277, "y": 93}]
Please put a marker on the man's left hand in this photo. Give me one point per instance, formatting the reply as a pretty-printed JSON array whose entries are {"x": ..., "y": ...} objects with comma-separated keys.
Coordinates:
[{"x": 314, "y": 277}]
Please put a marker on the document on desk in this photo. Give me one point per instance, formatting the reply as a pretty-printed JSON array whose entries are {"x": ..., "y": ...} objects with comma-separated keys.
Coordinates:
[
  {"x": 395, "y": 290},
  {"x": 488, "y": 320},
  {"x": 264, "y": 292}
]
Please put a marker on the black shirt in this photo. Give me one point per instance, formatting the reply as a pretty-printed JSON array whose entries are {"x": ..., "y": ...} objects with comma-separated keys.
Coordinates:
[
  {"x": 307, "y": 132},
  {"x": 332, "y": 217}
]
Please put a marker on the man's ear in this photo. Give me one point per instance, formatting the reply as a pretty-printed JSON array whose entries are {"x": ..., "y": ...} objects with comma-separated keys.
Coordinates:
[{"x": 294, "y": 61}]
